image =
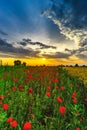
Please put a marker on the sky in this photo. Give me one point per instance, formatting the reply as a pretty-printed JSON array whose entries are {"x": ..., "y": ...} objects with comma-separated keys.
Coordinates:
[{"x": 37, "y": 32}]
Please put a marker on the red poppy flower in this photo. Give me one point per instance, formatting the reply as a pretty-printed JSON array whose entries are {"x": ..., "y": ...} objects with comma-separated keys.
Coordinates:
[
  {"x": 20, "y": 88},
  {"x": 62, "y": 88},
  {"x": 80, "y": 119},
  {"x": 48, "y": 94},
  {"x": 48, "y": 88},
  {"x": 5, "y": 107},
  {"x": 1, "y": 97},
  {"x": 27, "y": 126},
  {"x": 55, "y": 80},
  {"x": 9, "y": 120},
  {"x": 73, "y": 95},
  {"x": 15, "y": 80},
  {"x": 74, "y": 100},
  {"x": 56, "y": 87},
  {"x": 62, "y": 110},
  {"x": 13, "y": 88},
  {"x": 59, "y": 100},
  {"x": 30, "y": 90},
  {"x": 30, "y": 76},
  {"x": 85, "y": 99},
  {"x": 14, "y": 124},
  {"x": 78, "y": 128}
]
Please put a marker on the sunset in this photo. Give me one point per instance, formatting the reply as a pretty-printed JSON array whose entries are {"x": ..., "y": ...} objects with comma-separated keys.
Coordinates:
[
  {"x": 43, "y": 64},
  {"x": 49, "y": 29}
]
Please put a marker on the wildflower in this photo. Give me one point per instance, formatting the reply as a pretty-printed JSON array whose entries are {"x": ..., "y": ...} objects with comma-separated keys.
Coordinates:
[
  {"x": 15, "y": 80},
  {"x": 78, "y": 128},
  {"x": 30, "y": 76},
  {"x": 62, "y": 88},
  {"x": 48, "y": 88},
  {"x": 80, "y": 119},
  {"x": 5, "y": 107},
  {"x": 62, "y": 110},
  {"x": 56, "y": 87},
  {"x": 74, "y": 100},
  {"x": 73, "y": 95},
  {"x": 27, "y": 126},
  {"x": 77, "y": 112},
  {"x": 14, "y": 124},
  {"x": 30, "y": 90},
  {"x": 1, "y": 97},
  {"x": 20, "y": 88},
  {"x": 55, "y": 80},
  {"x": 13, "y": 88},
  {"x": 59, "y": 99},
  {"x": 9, "y": 120},
  {"x": 48, "y": 94},
  {"x": 85, "y": 99}
]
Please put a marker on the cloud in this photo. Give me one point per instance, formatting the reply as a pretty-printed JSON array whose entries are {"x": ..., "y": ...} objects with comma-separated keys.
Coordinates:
[
  {"x": 58, "y": 55},
  {"x": 25, "y": 42},
  {"x": 11, "y": 50},
  {"x": 71, "y": 18},
  {"x": 7, "y": 48},
  {"x": 3, "y": 33},
  {"x": 80, "y": 53},
  {"x": 83, "y": 56},
  {"x": 4, "y": 43},
  {"x": 80, "y": 50}
]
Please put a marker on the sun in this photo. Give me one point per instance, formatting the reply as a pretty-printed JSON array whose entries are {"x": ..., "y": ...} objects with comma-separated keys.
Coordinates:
[{"x": 43, "y": 59}]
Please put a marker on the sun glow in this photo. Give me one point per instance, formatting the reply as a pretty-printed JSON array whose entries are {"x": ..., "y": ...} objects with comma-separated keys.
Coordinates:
[{"x": 43, "y": 59}]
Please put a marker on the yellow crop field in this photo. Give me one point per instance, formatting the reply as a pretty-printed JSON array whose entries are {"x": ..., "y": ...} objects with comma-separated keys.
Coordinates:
[{"x": 81, "y": 72}]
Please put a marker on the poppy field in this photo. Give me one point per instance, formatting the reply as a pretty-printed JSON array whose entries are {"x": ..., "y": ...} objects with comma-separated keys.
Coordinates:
[{"x": 41, "y": 98}]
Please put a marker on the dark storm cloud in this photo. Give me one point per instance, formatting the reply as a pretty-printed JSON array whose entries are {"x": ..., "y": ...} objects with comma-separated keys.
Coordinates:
[
  {"x": 4, "y": 43},
  {"x": 25, "y": 42},
  {"x": 71, "y": 18},
  {"x": 82, "y": 56},
  {"x": 80, "y": 50},
  {"x": 6, "y": 48},
  {"x": 57, "y": 55}
]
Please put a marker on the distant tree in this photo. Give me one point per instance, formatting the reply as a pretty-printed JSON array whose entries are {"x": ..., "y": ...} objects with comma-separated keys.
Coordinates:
[
  {"x": 17, "y": 62},
  {"x": 70, "y": 65},
  {"x": 24, "y": 64},
  {"x": 83, "y": 66},
  {"x": 76, "y": 65}
]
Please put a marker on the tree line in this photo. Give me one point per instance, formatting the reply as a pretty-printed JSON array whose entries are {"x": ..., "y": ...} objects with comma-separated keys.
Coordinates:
[{"x": 18, "y": 63}]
